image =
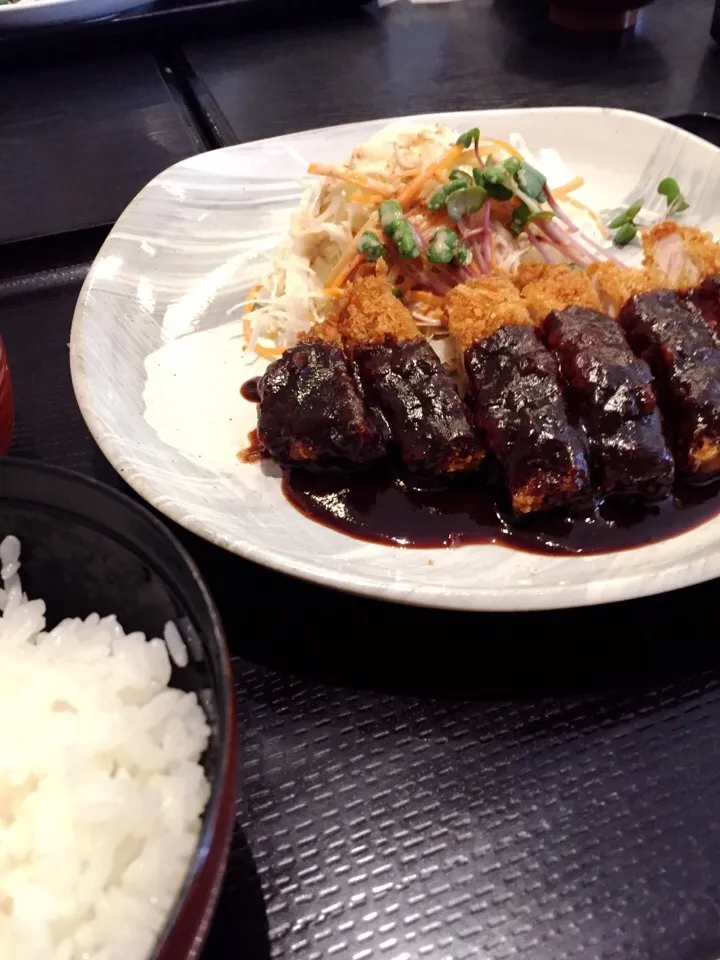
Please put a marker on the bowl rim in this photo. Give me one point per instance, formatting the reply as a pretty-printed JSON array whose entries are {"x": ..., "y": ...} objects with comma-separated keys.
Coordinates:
[{"x": 219, "y": 783}]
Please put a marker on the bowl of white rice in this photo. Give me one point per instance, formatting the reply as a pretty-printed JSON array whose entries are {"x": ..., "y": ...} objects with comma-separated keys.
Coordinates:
[{"x": 117, "y": 728}]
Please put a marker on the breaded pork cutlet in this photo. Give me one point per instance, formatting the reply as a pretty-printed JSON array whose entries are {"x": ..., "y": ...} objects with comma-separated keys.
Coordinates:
[
  {"x": 311, "y": 412},
  {"x": 402, "y": 375},
  {"x": 609, "y": 390},
  {"x": 548, "y": 287},
  {"x": 517, "y": 400},
  {"x": 683, "y": 255},
  {"x": 670, "y": 334},
  {"x": 615, "y": 284},
  {"x": 706, "y": 298},
  {"x": 480, "y": 307}
]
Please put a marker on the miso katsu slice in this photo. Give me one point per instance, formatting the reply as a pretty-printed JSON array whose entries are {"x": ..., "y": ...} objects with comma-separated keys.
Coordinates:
[
  {"x": 683, "y": 255},
  {"x": 311, "y": 412},
  {"x": 670, "y": 334},
  {"x": 517, "y": 399},
  {"x": 706, "y": 298},
  {"x": 402, "y": 375},
  {"x": 615, "y": 284},
  {"x": 610, "y": 391},
  {"x": 548, "y": 287}
]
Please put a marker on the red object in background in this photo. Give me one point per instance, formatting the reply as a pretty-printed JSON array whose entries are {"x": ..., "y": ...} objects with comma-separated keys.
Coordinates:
[
  {"x": 7, "y": 404},
  {"x": 596, "y": 16}
]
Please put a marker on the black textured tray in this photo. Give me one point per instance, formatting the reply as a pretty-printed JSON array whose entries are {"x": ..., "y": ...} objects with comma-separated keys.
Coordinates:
[
  {"x": 436, "y": 785},
  {"x": 489, "y": 821},
  {"x": 162, "y": 22}
]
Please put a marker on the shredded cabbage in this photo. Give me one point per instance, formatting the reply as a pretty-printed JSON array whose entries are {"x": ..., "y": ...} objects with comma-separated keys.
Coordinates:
[{"x": 293, "y": 296}]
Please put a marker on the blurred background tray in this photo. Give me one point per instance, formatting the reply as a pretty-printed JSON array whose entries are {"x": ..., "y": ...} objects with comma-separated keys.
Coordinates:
[{"x": 163, "y": 19}]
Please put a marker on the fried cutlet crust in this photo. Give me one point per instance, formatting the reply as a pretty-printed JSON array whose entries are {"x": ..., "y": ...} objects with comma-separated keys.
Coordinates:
[
  {"x": 615, "y": 284},
  {"x": 370, "y": 313},
  {"x": 477, "y": 309},
  {"x": 702, "y": 253},
  {"x": 670, "y": 334},
  {"x": 402, "y": 376},
  {"x": 555, "y": 287}
]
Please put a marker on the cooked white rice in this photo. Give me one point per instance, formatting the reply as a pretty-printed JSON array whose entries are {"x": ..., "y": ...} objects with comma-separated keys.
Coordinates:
[{"x": 101, "y": 789}]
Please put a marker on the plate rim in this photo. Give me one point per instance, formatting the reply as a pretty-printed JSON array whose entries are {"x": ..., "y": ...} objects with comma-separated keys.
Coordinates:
[
  {"x": 35, "y": 13},
  {"x": 523, "y": 598}
]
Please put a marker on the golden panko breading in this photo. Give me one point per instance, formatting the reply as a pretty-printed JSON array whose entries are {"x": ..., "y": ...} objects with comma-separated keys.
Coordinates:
[
  {"x": 615, "y": 284},
  {"x": 528, "y": 272},
  {"x": 326, "y": 331},
  {"x": 684, "y": 255},
  {"x": 371, "y": 311},
  {"x": 559, "y": 286},
  {"x": 477, "y": 309}
]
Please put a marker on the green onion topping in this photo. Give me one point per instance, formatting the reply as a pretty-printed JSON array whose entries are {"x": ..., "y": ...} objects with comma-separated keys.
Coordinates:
[
  {"x": 626, "y": 234},
  {"x": 464, "y": 202},
  {"x": 468, "y": 138},
  {"x": 370, "y": 246},
  {"x": 670, "y": 189}
]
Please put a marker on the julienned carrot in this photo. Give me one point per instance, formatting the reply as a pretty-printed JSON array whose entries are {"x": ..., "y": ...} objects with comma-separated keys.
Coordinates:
[
  {"x": 357, "y": 179},
  {"x": 367, "y": 199},
  {"x": 412, "y": 190},
  {"x": 503, "y": 144},
  {"x": 591, "y": 213},
  {"x": 351, "y": 258},
  {"x": 268, "y": 353},
  {"x": 569, "y": 187},
  {"x": 425, "y": 297}
]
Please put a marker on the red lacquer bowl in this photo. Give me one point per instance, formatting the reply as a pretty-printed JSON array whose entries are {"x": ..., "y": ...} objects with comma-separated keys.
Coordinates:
[
  {"x": 596, "y": 16},
  {"x": 87, "y": 548},
  {"x": 7, "y": 404}
]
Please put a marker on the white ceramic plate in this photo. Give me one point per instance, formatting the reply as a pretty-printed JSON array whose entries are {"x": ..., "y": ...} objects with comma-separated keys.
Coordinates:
[
  {"x": 157, "y": 362},
  {"x": 51, "y": 13}
]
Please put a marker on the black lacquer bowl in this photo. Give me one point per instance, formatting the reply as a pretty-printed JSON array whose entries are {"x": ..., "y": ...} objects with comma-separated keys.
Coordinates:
[{"x": 87, "y": 548}]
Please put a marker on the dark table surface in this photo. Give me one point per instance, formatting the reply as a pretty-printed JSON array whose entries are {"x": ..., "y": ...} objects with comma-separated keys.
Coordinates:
[{"x": 414, "y": 783}]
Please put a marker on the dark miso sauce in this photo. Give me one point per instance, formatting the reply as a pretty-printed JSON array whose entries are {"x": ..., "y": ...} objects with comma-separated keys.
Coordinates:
[
  {"x": 253, "y": 451},
  {"x": 249, "y": 390},
  {"x": 384, "y": 508}
]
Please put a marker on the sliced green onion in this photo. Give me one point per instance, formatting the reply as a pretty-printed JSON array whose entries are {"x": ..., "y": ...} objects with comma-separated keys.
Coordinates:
[
  {"x": 443, "y": 246},
  {"x": 370, "y": 246},
  {"x": 520, "y": 218},
  {"x": 438, "y": 199},
  {"x": 670, "y": 189},
  {"x": 463, "y": 255},
  {"x": 468, "y": 138},
  {"x": 464, "y": 202},
  {"x": 390, "y": 214},
  {"x": 627, "y": 216},
  {"x": 625, "y": 235},
  {"x": 404, "y": 240},
  {"x": 531, "y": 182},
  {"x": 494, "y": 180}
]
